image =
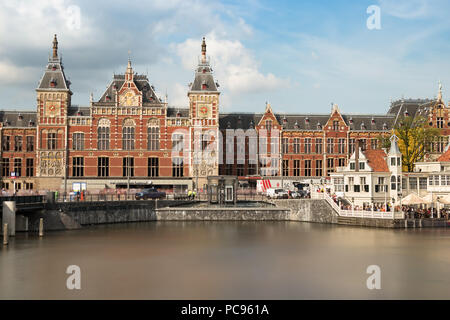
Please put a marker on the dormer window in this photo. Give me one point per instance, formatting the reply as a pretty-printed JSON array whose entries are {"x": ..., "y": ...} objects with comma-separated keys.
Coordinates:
[
  {"x": 54, "y": 67},
  {"x": 319, "y": 126},
  {"x": 335, "y": 125},
  {"x": 373, "y": 121},
  {"x": 252, "y": 126},
  {"x": 178, "y": 114},
  {"x": 31, "y": 123},
  {"x": 385, "y": 126},
  {"x": 52, "y": 82},
  {"x": 114, "y": 86},
  {"x": 296, "y": 125},
  {"x": 204, "y": 70},
  {"x": 406, "y": 113},
  {"x": 6, "y": 122},
  {"x": 228, "y": 125},
  {"x": 363, "y": 126},
  {"x": 351, "y": 120},
  {"x": 269, "y": 125},
  {"x": 204, "y": 85},
  {"x": 108, "y": 97},
  {"x": 307, "y": 120},
  {"x": 79, "y": 113},
  {"x": 20, "y": 116}
]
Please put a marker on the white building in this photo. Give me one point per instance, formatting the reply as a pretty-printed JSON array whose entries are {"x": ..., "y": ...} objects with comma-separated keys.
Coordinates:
[
  {"x": 371, "y": 176},
  {"x": 429, "y": 177}
]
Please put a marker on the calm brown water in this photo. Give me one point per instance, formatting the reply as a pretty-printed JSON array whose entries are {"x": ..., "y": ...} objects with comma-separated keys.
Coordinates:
[{"x": 228, "y": 260}]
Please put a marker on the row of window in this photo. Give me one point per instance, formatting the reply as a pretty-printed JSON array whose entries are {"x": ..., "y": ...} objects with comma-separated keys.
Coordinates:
[
  {"x": 17, "y": 167},
  {"x": 439, "y": 180},
  {"x": 128, "y": 139},
  {"x": 18, "y": 143},
  {"x": 332, "y": 145},
  {"x": 18, "y": 185},
  {"x": 103, "y": 167}
]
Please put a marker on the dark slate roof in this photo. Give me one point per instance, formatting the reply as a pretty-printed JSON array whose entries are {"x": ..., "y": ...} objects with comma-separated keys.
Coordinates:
[
  {"x": 173, "y": 111},
  {"x": 369, "y": 122},
  {"x": 239, "y": 120},
  {"x": 141, "y": 82},
  {"x": 73, "y": 111},
  {"x": 306, "y": 121},
  {"x": 54, "y": 73},
  {"x": 203, "y": 75},
  {"x": 303, "y": 121},
  {"x": 412, "y": 107},
  {"x": 18, "y": 119}
]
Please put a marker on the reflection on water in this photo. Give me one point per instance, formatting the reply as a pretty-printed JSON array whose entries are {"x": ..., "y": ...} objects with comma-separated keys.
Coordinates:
[{"x": 228, "y": 260}]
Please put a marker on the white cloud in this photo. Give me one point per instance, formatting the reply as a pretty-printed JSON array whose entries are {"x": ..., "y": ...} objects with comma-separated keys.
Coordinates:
[
  {"x": 405, "y": 9},
  {"x": 235, "y": 67},
  {"x": 11, "y": 74},
  {"x": 31, "y": 23},
  {"x": 179, "y": 95}
]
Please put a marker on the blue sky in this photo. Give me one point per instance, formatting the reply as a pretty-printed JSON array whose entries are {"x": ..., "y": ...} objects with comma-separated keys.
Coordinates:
[{"x": 301, "y": 56}]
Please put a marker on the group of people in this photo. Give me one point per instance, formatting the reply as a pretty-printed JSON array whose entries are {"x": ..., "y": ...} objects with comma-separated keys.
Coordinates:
[
  {"x": 365, "y": 207},
  {"x": 420, "y": 213},
  {"x": 191, "y": 194}
]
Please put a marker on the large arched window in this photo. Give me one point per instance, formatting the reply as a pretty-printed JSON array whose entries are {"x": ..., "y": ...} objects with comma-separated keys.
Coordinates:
[
  {"x": 153, "y": 135},
  {"x": 128, "y": 134},
  {"x": 103, "y": 134}
]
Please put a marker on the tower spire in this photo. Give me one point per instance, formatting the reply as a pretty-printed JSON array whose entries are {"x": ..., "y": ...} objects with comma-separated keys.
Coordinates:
[
  {"x": 129, "y": 72},
  {"x": 203, "y": 50},
  {"x": 440, "y": 91},
  {"x": 55, "y": 47}
]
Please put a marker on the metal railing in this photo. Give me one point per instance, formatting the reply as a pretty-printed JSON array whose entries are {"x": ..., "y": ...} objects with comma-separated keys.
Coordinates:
[
  {"x": 23, "y": 199},
  {"x": 357, "y": 213}
]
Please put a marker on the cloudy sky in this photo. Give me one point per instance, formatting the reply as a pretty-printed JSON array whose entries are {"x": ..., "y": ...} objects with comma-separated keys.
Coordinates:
[{"x": 300, "y": 57}]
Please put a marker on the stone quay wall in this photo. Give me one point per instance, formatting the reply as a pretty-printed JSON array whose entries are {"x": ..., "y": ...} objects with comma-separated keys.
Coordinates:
[{"x": 66, "y": 216}]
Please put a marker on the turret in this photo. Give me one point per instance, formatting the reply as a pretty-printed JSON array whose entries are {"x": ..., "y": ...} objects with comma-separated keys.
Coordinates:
[{"x": 395, "y": 167}]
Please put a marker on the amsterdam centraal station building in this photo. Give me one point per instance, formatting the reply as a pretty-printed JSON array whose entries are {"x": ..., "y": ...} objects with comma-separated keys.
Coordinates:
[{"x": 132, "y": 138}]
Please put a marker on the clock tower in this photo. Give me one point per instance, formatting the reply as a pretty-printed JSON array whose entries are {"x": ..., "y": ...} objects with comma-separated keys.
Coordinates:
[
  {"x": 53, "y": 101},
  {"x": 204, "y": 115}
]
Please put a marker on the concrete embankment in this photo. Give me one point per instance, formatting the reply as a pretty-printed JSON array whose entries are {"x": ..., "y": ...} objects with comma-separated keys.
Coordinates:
[
  {"x": 66, "y": 216},
  {"x": 74, "y": 215}
]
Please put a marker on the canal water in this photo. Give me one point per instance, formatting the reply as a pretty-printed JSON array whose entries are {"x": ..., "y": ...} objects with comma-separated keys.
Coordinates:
[{"x": 228, "y": 260}]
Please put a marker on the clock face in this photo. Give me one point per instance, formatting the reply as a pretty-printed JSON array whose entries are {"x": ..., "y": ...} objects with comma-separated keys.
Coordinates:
[
  {"x": 204, "y": 111},
  {"x": 52, "y": 108},
  {"x": 129, "y": 99}
]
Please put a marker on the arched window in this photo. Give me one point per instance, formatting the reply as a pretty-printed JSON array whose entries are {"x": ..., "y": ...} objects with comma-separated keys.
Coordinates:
[
  {"x": 153, "y": 135},
  {"x": 103, "y": 134},
  {"x": 399, "y": 183},
  {"x": 128, "y": 134},
  {"x": 393, "y": 183}
]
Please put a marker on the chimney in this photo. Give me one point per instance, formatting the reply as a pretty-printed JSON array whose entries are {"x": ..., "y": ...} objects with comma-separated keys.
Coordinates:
[{"x": 356, "y": 155}]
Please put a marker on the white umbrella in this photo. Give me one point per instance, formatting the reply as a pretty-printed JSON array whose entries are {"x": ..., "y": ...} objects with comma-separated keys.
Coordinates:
[
  {"x": 444, "y": 199},
  {"x": 412, "y": 199},
  {"x": 430, "y": 198}
]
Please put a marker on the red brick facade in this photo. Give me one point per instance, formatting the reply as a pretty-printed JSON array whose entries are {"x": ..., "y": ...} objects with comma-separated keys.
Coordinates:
[{"x": 130, "y": 137}]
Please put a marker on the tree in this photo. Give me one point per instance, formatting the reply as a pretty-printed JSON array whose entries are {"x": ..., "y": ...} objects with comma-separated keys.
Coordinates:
[{"x": 415, "y": 138}]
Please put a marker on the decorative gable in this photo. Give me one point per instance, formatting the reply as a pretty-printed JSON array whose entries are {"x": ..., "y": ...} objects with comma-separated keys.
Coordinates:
[
  {"x": 336, "y": 121},
  {"x": 269, "y": 120}
]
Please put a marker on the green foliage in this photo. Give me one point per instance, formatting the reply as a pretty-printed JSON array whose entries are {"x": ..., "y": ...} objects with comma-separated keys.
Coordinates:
[{"x": 415, "y": 137}]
